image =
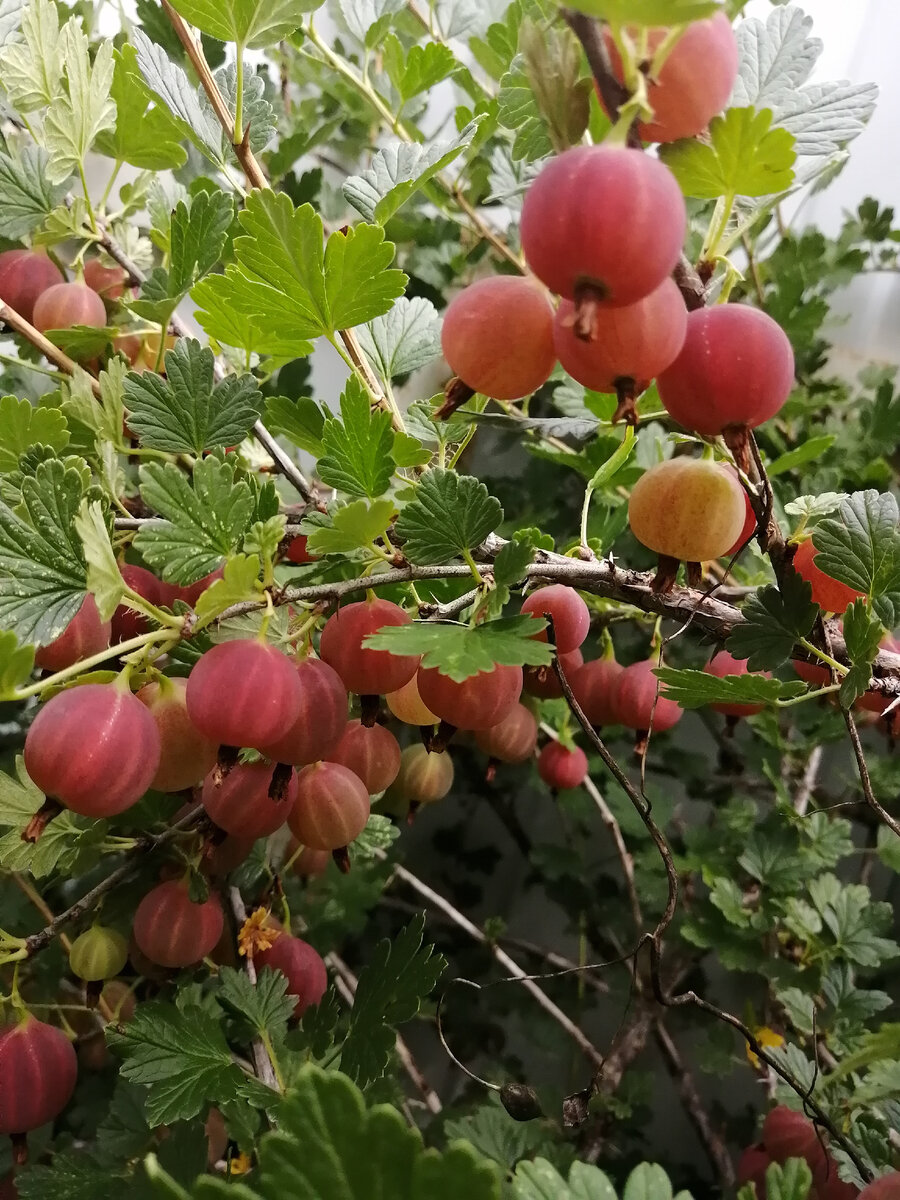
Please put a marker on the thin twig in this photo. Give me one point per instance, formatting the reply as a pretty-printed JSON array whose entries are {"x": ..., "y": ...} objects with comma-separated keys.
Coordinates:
[
  {"x": 256, "y": 178},
  {"x": 144, "y": 845},
  {"x": 808, "y": 782},
  {"x": 262, "y": 1062},
  {"x": 864, "y": 777},
  {"x": 509, "y": 965},
  {"x": 410, "y": 1066},
  {"x": 715, "y": 1148},
  {"x": 53, "y": 353},
  {"x": 609, "y": 820},
  {"x": 654, "y": 939}
]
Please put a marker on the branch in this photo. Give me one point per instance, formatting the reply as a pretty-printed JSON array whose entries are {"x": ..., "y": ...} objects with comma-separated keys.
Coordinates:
[
  {"x": 257, "y": 179},
  {"x": 53, "y": 353},
  {"x": 614, "y": 95},
  {"x": 864, "y": 777},
  {"x": 510, "y": 966},
  {"x": 713, "y": 1144},
  {"x": 808, "y": 782},
  {"x": 654, "y": 939},
  {"x": 429, "y": 1095},
  {"x": 145, "y": 845}
]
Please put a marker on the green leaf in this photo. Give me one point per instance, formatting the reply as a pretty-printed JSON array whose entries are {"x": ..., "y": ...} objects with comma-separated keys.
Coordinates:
[
  {"x": 300, "y": 420},
  {"x": 398, "y": 171},
  {"x": 888, "y": 841},
  {"x": 369, "y": 20},
  {"x": 204, "y": 521},
  {"x": 169, "y": 84},
  {"x": 791, "y": 1181},
  {"x": 518, "y": 110},
  {"x": 811, "y": 450},
  {"x": 450, "y": 515},
  {"x": 408, "y": 451},
  {"x": 262, "y": 1008},
  {"x": 744, "y": 157},
  {"x": 70, "y": 1176},
  {"x": 359, "y": 1153},
  {"x": 240, "y": 582},
  {"x": 399, "y": 975},
  {"x": 357, "y": 448},
  {"x": 85, "y": 109},
  {"x": 649, "y": 12},
  {"x": 318, "y": 1027},
  {"x": 510, "y": 565},
  {"x": 32, "y": 69},
  {"x": 227, "y": 324},
  {"x": 16, "y": 665},
  {"x": 22, "y": 425},
  {"x": 306, "y": 290},
  {"x": 252, "y": 23},
  {"x": 187, "y": 411},
  {"x": 404, "y": 339},
  {"x": 775, "y": 622},
  {"x": 539, "y": 1180},
  {"x": 542, "y": 97},
  {"x": 145, "y": 134},
  {"x": 69, "y": 844},
  {"x": 861, "y": 547},
  {"x": 181, "y": 1056},
  {"x": 27, "y": 196},
  {"x": 776, "y": 57},
  {"x": 42, "y": 569},
  {"x": 862, "y": 635},
  {"x": 104, "y": 579},
  {"x": 353, "y": 527},
  {"x": 460, "y": 651},
  {"x": 813, "y": 508},
  {"x": 420, "y": 69},
  {"x": 696, "y": 689},
  {"x": 616, "y": 461}
]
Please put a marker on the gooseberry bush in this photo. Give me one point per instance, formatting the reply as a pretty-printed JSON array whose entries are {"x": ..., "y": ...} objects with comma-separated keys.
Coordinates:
[{"x": 448, "y": 595}]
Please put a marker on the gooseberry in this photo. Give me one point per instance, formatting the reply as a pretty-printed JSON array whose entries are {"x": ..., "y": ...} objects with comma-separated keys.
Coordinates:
[
  {"x": 331, "y": 808},
  {"x": 243, "y": 693},
  {"x": 478, "y": 702},
  {"x": 321, "y": 719},
  {"x": 24, "y": 276},
  {"x": 569, "y": 613},
  {"x": 84, "y": 635},
  {"x": 173, "y": 930},
  {"x": 372, "y": 753},
  {"x": 252, "y": 801},
  {"x": 38, "y": 1070},
  {"x": 302, "y": 966},
  {"x": 561, "y": 767},
  {"x": 366, "y": 672},
  {"x": 185, "y": 754}
]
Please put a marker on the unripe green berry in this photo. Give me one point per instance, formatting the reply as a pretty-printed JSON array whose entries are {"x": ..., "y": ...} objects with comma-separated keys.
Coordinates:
[{"x": 98, "y": 953}]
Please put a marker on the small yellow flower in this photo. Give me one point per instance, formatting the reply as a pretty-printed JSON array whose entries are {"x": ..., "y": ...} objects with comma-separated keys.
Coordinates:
[
  {"x": 240, "y": 1164},
  {"x": 767, "y": 1038},
  {"x": 257, "y": 933}
]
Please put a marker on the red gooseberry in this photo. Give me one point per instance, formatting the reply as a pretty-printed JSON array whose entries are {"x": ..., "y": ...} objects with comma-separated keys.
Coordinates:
[
  {"x": 297, "y": 551},
  {"x": 543, "y": 682},
  {"x": 569, "y": 613},
  {"x": 251, "y": 801},
  {"x": 66, "y": 304},
  {"x": 497, "y": 336},
  {"x": 94, "y": 748},
  {"x": 830, "y": 594},
  {"x": 331, "y": 809},
  {"x": 38, "y": 1071},
  {"x": 127, "y": 622},
  {"x": 24, "y": 276},
  {"x": 694, "y": 82},
  {"x": 723, "y": 664},
  {"x": 108, "y": 282},
  {"x": 309, "y": 863},
  {"x": 84, "y": 635},
  {"x": 366, "y": 672},
  {"x": 885, "y": 1188},
  {"x": 604, "y": 221},
  {"x": 186, "y": 755},
  {"x": 321, "y": 719},
  {"x": 512, "y": 740},
  {"x": 736, "y": 368},
  {"x": 172, "y": 930},
  {"x": 478, "y": 702},
  {"x": 636, "y": 701},
  {"x": 562, "y": 768},
  {"x": 302, "y": 966},
  {"x": 372, "y": 753},
  {"x": 243, "y": 693},
  {"x": 595, "y": 686}
]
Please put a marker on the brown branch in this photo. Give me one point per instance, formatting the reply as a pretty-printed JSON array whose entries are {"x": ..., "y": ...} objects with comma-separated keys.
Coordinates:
[
  {"x": 410, "y": 1066},
  {"x": 257, "y": 179},
  {"x": 808, "y": 782},
  {"x": 716, "y": 1150},
  {"x": 864, "y": 777},
  {"x": 53, "y": 353},
  {"x": 654, "y": 939},
  {"x": 144, "y": 845},
  {"x": 509, "y": 965},
  {"x": 262, "y": 1061},
  {"x": 614, "y": 95}
]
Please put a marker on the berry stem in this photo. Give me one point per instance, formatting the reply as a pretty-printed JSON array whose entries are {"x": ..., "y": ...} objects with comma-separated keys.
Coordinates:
[{"x": 162, "y": 636}]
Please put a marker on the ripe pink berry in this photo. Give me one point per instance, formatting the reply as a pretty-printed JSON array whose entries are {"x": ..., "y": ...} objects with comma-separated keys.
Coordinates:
[
  {"x": 302, "y": 966},
  {"x": 562, "y": 768},
  {"x": 38, "y": 1070},
  {"x": 84, "y": 635},
  {"x": 243, "y": 693},
  {"x": 173, "y": 930}
]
